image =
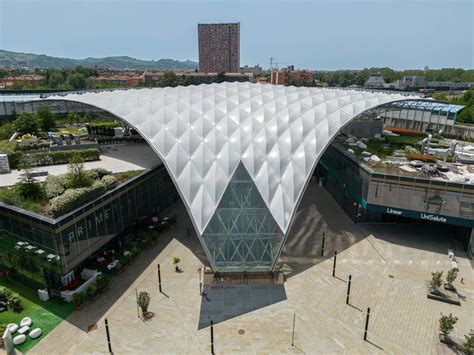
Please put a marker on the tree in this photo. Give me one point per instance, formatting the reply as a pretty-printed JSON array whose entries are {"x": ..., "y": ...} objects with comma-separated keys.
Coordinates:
[
  {"x": 54, "y": 78},
  {"x": 436, "y": 280},
  {"x": 3, "y": 73},
  {"x": 446, "y": 325},
  {"x": 468, "y": 345},
  {"x": 221, "y": 77},
  {"x": 46, "y": 118},
  {"x": 28, "y": 186},
  {"x": 77, "y": 81},
  {"x": 451, "y": 276},
  {"x": 168, "y": 79},
  {"x": 77, "y": 175},
  {"x": 27, "y": 122},
  {"x": 143, "y": 301}
]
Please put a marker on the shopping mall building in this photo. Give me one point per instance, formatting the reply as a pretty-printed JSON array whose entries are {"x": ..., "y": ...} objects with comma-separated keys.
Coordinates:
[{"x": 239, "y": 156}]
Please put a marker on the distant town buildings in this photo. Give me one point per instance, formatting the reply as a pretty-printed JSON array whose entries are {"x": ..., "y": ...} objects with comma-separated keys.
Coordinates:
[
  {"x": 290, "y": 76},
  {"x": 10, "y": 81},
  {"x": 375, "y": 81},
  {"x": 119, "y": 80},
  {"x": 254, "y": 70},
  {"x": 219, "y": 47},
  {"x": 196, "y": 78}
]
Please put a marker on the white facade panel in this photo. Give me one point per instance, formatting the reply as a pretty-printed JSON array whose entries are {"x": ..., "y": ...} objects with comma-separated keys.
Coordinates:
[{"x": 202, "y": 132}]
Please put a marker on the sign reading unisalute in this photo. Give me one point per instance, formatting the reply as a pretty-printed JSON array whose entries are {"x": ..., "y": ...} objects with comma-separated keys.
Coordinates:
[{"x": 421, "y": 215}]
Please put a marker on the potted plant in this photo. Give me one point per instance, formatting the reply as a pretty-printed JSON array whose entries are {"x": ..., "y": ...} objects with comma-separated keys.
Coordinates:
[
  {"x": 446, "y": 326},
  {"x": 78, "y": 299},
  {"x": 450, "y": 277},
  {"x": 92, "y": 291},
  {"x": 143, "y": 302},
  {"x": 119, "y": 267},
  {"x": 436, "y": 281},
  {"x": 16, "y": 304},
  {"x": 102, "y": 282},
  {"x": 134, "y": 252},
  {"x": 468, "y": 345},
  {"x": 149, "y": 241},
  {"x": 176, "y": 261}
]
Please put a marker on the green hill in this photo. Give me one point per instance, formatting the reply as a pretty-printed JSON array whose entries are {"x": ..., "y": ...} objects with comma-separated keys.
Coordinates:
[{"x": 16, "y": 59}]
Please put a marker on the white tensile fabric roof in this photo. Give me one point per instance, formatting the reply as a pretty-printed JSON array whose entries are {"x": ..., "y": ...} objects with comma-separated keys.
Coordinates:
[{"x": 202, "y": 132}]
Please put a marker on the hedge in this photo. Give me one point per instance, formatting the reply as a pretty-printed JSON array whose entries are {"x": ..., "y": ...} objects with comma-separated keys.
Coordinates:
[
  {"x": 102, "y": 129},
  {"x": 97, "y": 173},
  {"x": 72, "y": 198},
  {"x": 25, "y": 146},
  {"x": 109, "y": 181},
  {"x": 51, "y": 158},
  {"x": 120, "y": 140},
  {"x": 55, "y": 186}
]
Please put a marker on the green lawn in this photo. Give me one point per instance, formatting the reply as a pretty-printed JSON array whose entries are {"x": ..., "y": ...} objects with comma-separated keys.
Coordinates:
[
  {"x": 45, "y": 315},
  {"x": 11, "y": 196}
]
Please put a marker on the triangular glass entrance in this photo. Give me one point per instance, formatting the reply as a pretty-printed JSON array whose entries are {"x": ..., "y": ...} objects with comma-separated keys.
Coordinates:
[{"x": 242, "y": 235}]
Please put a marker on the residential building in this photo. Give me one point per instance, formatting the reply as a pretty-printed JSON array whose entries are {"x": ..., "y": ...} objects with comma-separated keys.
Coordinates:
[
  {"x": 219, "y": 47},
  {"x": 411, "y": 82},
  {"x": 289, "y": 77},
  {"x": 375, "y": 80},
  {"x": 10, "y": 81},
  {"x": 254, "y": 70},
  {"x": 119, "y": 80}
]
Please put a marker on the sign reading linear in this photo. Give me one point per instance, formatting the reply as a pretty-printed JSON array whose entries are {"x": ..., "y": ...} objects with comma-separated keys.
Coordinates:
[
  {"x": 427, "y": 216},
  {"x": 202, "y": 133}
]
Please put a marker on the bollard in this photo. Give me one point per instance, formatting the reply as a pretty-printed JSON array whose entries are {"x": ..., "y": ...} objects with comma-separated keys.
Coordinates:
[
  {"x": 367, "y": 323},
  {"x": 108, "y": 336},
  {"x": 334, "y": 265},
  {"x": 136, "y": 299},
  {"x": 159, "y": 278},
  {"x": 212, "y": 337},
  {"x": 293, "y": 336},
  {"x": 322, "y": 246},
  {"x": 348, "y": 289}
]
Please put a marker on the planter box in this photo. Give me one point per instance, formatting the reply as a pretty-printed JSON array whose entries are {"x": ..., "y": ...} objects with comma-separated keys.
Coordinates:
[
  {"x": 446, "y": 296},
  {"x": 449, "y": 288}
]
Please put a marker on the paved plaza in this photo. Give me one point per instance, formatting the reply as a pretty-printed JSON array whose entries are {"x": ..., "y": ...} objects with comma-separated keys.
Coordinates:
[{"x": 389, "y": 264}]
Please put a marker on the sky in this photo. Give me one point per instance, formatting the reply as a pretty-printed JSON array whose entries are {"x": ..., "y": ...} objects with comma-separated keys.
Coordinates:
[{"x": 317, "y": 34}]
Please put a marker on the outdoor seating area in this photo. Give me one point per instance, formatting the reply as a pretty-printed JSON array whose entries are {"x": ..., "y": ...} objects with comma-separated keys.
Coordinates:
[
  {"x": 20, "y": 332},
  {"x": 26, "y": 315}
]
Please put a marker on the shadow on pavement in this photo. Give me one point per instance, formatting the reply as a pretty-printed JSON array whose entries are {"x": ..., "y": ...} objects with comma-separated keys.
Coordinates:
[
  {"x": 120, "y": 283},
  {"x": 229, "y": 301}
]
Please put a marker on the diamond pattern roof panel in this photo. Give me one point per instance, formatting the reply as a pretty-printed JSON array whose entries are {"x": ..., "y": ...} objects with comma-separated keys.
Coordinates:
[{"x": 202, "y": 133}]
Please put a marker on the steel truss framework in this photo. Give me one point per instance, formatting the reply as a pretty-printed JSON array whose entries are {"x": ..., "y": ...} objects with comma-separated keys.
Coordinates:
[{"x": 232, "y": 148}]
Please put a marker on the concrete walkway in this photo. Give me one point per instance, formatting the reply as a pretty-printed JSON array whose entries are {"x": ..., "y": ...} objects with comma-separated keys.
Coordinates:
[{"x": 389, "y": 265}]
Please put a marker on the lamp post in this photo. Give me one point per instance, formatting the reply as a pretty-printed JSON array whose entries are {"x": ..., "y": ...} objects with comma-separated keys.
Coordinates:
[
  {"x": 322, "y": 246},
  {"x": 334, "y": 265}
]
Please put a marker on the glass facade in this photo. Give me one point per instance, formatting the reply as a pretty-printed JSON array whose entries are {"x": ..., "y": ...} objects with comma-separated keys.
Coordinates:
[
  {"x": 355, "y": 186},
  {"x": 78, "y": 234},
  {"x": 242, "y": 235},
  {"x": 417, "y": 194}
]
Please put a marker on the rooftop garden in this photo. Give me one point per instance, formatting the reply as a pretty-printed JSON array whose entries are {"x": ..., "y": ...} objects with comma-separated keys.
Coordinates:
[{"x": 60, "y": 194}]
